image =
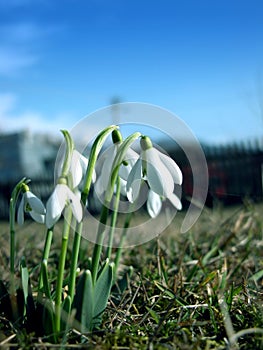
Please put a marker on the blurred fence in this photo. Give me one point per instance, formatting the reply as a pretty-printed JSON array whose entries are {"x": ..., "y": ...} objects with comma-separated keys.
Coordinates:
[{"x": 235, "y": 173}]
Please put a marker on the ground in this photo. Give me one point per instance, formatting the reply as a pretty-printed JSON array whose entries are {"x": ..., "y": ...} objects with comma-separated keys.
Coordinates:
[{"x": 199, "y": 290}]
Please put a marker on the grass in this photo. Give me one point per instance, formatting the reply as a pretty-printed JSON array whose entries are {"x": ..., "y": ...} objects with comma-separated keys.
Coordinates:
[{"x": 198, "y": 290}]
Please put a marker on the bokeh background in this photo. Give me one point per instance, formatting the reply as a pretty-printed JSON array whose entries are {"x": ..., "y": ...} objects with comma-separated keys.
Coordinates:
[{"x": 201, "y": 60}]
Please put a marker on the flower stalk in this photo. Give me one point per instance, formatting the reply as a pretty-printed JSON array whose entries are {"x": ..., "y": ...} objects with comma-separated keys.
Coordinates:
[
  {"x": 119, "y": 158},
  {"x": 61, "y": 267},
  {"x": 95, "y": 150}
]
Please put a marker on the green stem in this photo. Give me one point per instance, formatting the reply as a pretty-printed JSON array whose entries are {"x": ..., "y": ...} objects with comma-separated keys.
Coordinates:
[
  {"x": 114, "y": 216},
  {"x": 108, "y": 196},
  {"x": 48, "y": 241},
  {"x": 98, "y": 246},
  {"x": 12, "y": 259},
  {"x": 74, "y": 260},
  {"x": 12, "y": 212},
  {"x": 61, "y": 267},
  {"x": 120, "y": 247},
  {"x": 12, "y": 236}
]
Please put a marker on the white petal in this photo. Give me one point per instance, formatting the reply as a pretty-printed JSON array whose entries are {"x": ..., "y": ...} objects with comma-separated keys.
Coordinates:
[
  {"x": 94, "y": 176},
  {"x": 134, "y": 181},
  {"x": 172, "y": 167},
  {"x": 99, "y": 186},
  {"x": 37, "y": 217},
  {"x": 159, "y": 178},
  {"x": 106, "y": 169},
  {"x": 78, "y": 167},
  {"x": 123, "y": 187},
  {"x": 175, "y": 201},
  {"x": 20, "y": 212},
  {"x": 56, "y": 204},
  {"x": 154, "y": 204},
  {"x": 35, "y": 203},
  {"x": 131, "y": 157},
  {"x": 75, "y": 205}
]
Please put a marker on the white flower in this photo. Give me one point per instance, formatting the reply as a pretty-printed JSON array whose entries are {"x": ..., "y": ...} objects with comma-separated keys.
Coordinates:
[
  {"x": 32, "y": 205},
  {"x": 161, "y": 173},
  {"x": 62, "y": 196},
  {"x": 78, "y": 167},
  {"x": 104, "y": 166}
]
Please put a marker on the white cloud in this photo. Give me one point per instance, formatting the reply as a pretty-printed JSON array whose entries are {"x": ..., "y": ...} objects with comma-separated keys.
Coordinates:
[{"x": 34, "y": 121}]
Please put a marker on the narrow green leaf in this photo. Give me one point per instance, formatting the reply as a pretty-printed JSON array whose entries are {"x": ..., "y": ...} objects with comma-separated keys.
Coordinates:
[
  {"x": 65, "y": 314},
  {"x": 48, "y": 319},
  {"x": 84, "y": 302},
  {"x": 102, "y": 291},
  {"x": 46, "y": 286},
  {"x": 87, "y": 304},
  {"x": 24, "y": 281}
]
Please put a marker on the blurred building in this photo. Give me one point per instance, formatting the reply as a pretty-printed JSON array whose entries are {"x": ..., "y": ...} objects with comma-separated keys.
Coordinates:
[
  {"x": 23, "y": 154},
  {"x": 26, "y": 154}
]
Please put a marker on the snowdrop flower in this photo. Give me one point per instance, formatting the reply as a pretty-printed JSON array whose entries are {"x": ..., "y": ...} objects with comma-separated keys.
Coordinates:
[
  {"x": 77, "y": 168},
  {"x": 105, "y": 164},
  {"x": 61, "y": 197},
  {"x": 32, "y": 205},
  {"x": 161, "y": 173}
]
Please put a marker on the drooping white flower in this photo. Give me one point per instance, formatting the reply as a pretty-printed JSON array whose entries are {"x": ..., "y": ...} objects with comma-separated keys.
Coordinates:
[
  {"x": 105, "y": 167},
  {"x": 31, "y": 204},
  {"x": 62, "y": 196},
  {"x": 161, "y": 173},
  {"x": 78, "y": 167}
]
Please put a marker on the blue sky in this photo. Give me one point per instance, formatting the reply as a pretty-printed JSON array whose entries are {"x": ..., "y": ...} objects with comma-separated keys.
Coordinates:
[{"x": 201, "y": 60}]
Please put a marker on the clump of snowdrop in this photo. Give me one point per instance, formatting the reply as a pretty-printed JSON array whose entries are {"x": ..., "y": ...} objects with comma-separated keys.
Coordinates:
[{"x": 118, "y": 171}]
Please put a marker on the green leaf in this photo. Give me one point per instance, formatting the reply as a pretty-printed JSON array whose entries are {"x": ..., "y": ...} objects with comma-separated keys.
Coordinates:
[
  {"x": 65, "y": 314},
  {"x": 46, "y": 286},
  {"x": 24, "y": 281},
  {"x": 84, "y": 302},
  {"x": 48, "y": 319},
  {"x": 102, "y": 291}
]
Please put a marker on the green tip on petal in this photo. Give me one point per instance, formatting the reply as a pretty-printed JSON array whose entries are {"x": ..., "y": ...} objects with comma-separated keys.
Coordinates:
[
  {"x": 146, "y": 143},
  {"x": 116, "y": 136}
]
